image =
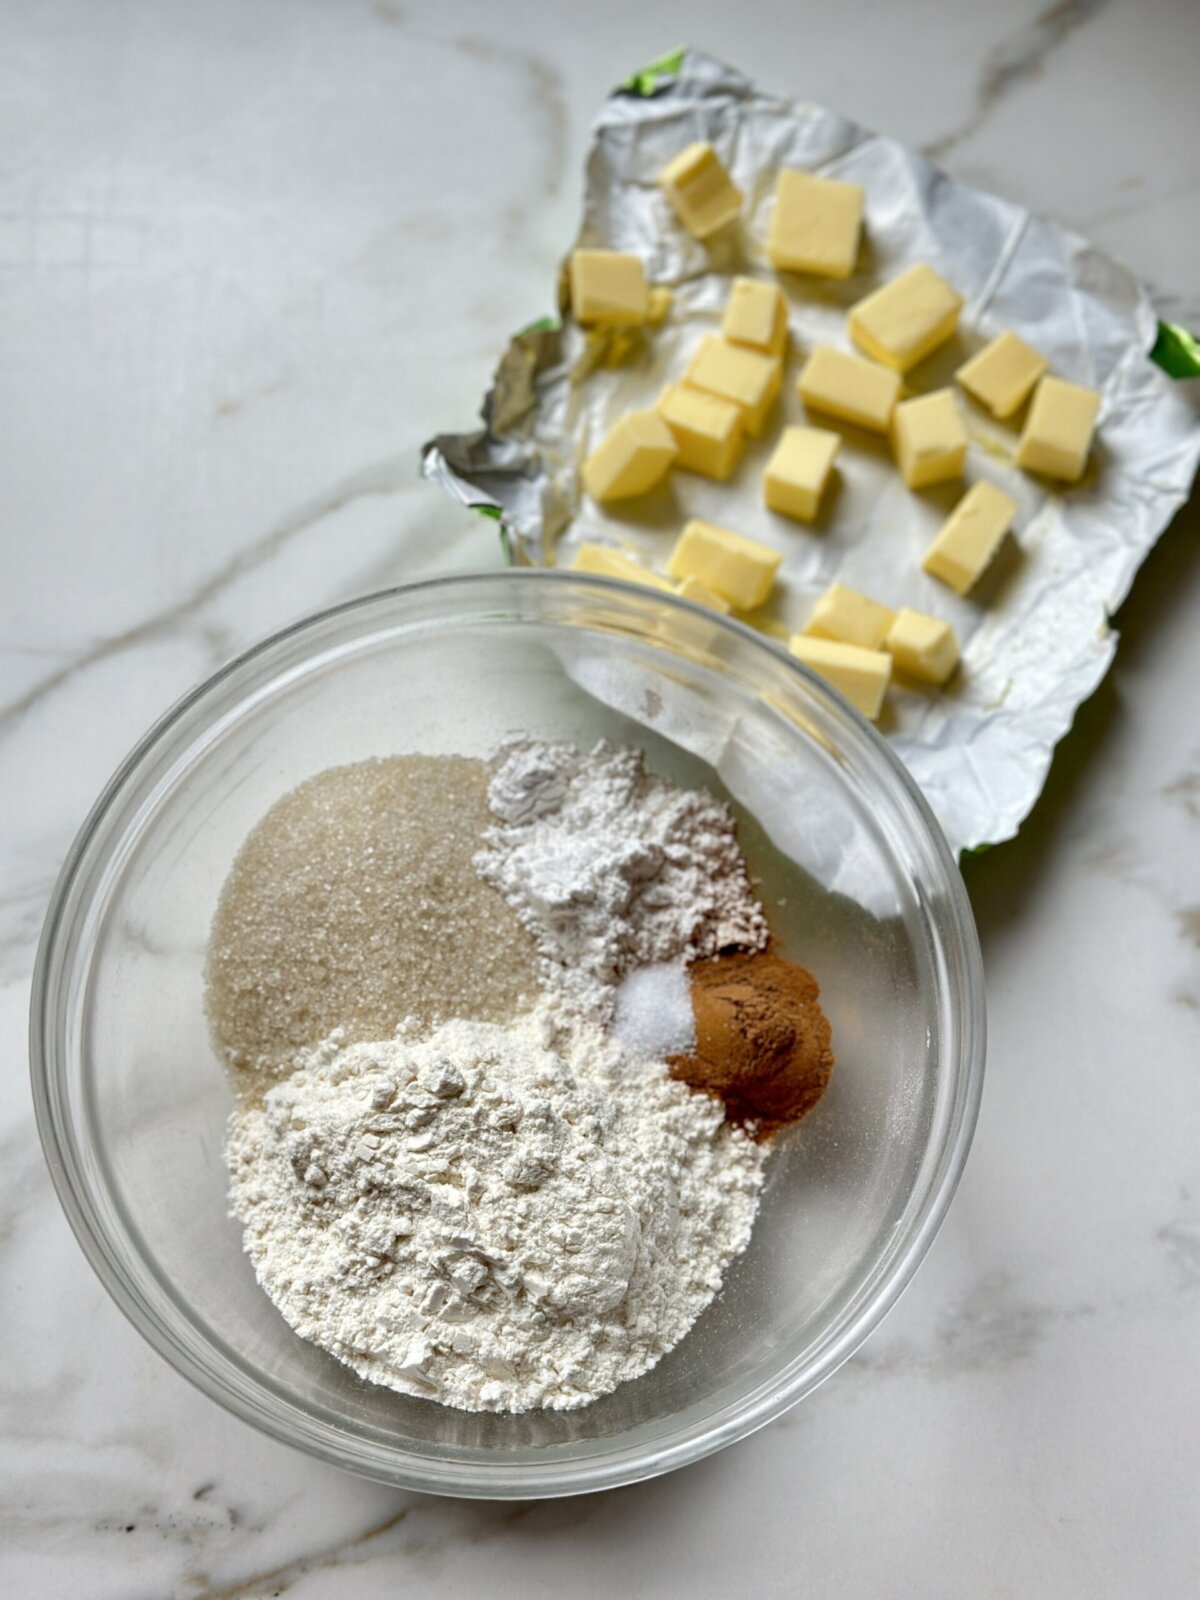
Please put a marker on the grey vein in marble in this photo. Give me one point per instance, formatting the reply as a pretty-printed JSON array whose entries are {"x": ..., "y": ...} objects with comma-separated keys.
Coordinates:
[
  {"x": 543, "y": 92},
  {"x": 383, "y": 478},
  {"x": 417, "y": 1533},
  {"x": 22, "y": 912},
  {"x": 1186, "y": 789},
  {"x": 1015, "y": 61},
  {"x": 276, "y": 1581},
  {"x": 991, "y": 1325},
  {"x": 1181, "y": 1241},
  {"x": 1141, "y": 202}
]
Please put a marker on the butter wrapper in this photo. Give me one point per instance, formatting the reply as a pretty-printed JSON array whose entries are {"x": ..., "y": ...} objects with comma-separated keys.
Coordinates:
[{"x": 1035, "y": 638}]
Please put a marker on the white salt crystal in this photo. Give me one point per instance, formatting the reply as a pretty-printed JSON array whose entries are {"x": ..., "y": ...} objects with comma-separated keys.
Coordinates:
[{"x": 654, "y": 1010}]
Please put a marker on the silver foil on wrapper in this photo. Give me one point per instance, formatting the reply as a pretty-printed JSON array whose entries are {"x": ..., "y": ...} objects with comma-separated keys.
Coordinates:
[{"x": 1035, "y": 636}]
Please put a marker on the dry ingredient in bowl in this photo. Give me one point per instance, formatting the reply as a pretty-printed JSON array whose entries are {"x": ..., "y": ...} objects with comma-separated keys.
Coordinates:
[
  {"x": 476, "y": 1218},
  {"x": 611, "y": 868},
  {"x": 762, "y": 1042},
  {"x": 462, "y": 1162},
  {"x": 354, "y": 904}
]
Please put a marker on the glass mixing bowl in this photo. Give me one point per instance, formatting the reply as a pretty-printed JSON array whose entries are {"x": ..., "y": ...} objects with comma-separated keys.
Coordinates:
[{"x": 132, "y": 1102}]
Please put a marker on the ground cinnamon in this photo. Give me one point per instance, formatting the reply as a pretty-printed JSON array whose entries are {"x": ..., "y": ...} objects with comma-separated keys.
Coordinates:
[{"x": 762, "y": 1040}]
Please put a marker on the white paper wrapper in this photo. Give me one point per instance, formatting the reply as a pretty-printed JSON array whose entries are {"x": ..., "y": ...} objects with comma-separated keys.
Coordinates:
[{"x": 1035, "y": 635}]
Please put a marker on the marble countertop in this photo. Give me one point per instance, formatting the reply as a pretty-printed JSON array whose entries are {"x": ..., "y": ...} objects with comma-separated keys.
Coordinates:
[{"x": 250, "y": 257}]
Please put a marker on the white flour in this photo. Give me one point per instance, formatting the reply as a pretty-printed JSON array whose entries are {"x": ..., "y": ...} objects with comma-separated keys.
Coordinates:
[
  {"x": 496, "y": 1218},
  {"x": 611, "y": 868}
]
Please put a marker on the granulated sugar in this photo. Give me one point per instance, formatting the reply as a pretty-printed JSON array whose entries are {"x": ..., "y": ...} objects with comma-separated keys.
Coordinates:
[{"x": 354, "y": 904}]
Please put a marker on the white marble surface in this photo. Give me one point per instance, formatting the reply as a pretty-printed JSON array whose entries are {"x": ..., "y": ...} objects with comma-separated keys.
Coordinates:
[{"x": 250, "y": 255}]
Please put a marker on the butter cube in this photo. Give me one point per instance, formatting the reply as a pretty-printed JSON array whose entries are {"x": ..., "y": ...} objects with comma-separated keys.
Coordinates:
[
  {"x": 635, "y": 455},
  {"x": 861, "y": 675},
  {"x": 748, "y": 378},
  {"x": 923, "y": 646},
  {"x": 708, "y": 431},
  {"x": 702, "y": 195},
  {"x": 798, "y": 471},
  {"x": 815, "y": 225},
  {"x": 929, "y": 439},
  {"x": 741, "y": 570},
  {"x": 970, "y": 536},
  {"x": 844, "y": 614},
  {"x": 692, "y": 589},
  {"x": 608, "y": 287},
  {"x": 1001, "y": 377},
  {"x": 756, "y": 315},
  {"x": 907, "y": 319},
  {"x": 1058, "y": 430},
  {"x": 606, "y": 562},
  {"x": 847, "y": 386},
  {"x": 659, "y": 306}
]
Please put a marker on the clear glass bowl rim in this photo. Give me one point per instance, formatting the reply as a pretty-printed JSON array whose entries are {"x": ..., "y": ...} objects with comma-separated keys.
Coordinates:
[{"x": 222, "y": 1376}]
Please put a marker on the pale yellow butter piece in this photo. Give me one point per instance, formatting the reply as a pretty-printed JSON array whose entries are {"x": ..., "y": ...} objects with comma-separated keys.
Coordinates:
[
  {"x": 633, "y": 457},
  {"x": 798, "y": 471},
  {"x": 844, "y": 614},
  {"x": 608, "y": 287},
  {"x": 740, "y": 569},
  {"x": 922, "y": 646},
  {"x": 929, "y": 439},
  {"x": 692, "y": 589},
  {"x": 970, "y": 536},
  {"x": 708, "y": 431},
  {"x": 861, "y": 675},
  {"x": 756, "y": 315},
  {"x": 748, "y": 378},
  {"x": 907, "y": 319},
  {"x": 701, "y": 192},
  {"x": 1001, "y": 377},
  {"x": 606, "y": 562},
  {"x": 815, "y": 225},
  {"x": 1058, "y": 430},
  {"x": 659, "y": 306},
  {"x": 847, "y": 386}
]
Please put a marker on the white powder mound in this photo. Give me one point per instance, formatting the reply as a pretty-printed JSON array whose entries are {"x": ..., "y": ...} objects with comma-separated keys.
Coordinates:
[
  {"x": 611, "y": 868},
  {"x": 654, "y": 1016},
  {"x": 498, "y": 1218}
]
